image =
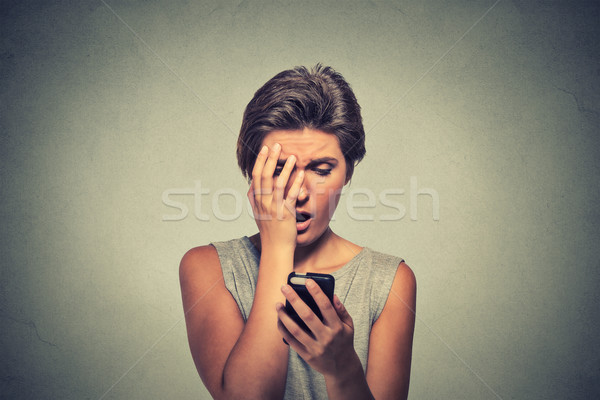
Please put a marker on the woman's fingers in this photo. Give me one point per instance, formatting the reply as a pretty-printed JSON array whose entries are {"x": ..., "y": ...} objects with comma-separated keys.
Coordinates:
[
  {"x": 294, "y": 191},
  {"x": 282, "y": 181},
  {"x": 342, "y": 311},
  {"x": 330, "y": 315},
  {"x": 259, "y": 165},
  {"x": 304, "y": 312},
  {"x": 268, "y": 170},
  {"x": 293, "y": 334},
  {"x": 267, "y": 191}
]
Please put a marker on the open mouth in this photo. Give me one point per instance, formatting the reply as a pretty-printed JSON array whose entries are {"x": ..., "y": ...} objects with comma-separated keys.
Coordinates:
[{"x": 302, "y": 220}]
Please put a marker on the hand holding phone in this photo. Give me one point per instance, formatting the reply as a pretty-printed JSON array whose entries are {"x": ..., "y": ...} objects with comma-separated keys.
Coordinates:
[{"x": 298, "y": 282}]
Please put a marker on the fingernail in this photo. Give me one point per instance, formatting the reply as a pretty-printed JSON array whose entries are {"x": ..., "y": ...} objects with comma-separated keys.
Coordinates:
[
  {"x": 285, "y": 289},
  {"x": 277, "y": 146},
  {"x": 264, "y": 149},
  {"x": 310, "y": 283}
]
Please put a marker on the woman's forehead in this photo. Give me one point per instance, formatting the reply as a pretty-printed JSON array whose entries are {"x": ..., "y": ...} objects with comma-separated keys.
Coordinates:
[{"x": 304, "y": 143}]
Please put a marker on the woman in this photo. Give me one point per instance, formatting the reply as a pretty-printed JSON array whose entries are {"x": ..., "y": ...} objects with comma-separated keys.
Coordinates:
[{"x": 301, "y": 137}]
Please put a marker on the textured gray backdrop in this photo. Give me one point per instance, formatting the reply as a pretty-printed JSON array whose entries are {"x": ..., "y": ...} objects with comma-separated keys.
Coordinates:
[{"x": 493, "y": 107}]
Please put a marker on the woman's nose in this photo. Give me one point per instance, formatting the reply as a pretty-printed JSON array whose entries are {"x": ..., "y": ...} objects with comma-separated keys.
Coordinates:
[{"x": 303, "y": 195}]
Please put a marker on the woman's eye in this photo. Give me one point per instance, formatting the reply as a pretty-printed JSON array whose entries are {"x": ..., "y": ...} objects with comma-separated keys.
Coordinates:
[
  {"x": 319, "y": 171},
  {"x": 322, "y": 172}
]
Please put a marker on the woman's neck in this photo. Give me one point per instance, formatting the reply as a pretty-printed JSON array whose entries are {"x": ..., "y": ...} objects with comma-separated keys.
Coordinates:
[{"x": 328, "y": 252}]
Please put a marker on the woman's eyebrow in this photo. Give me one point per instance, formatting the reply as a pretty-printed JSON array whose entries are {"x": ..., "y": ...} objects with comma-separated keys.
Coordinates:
[{"x": 316, "y": 161}]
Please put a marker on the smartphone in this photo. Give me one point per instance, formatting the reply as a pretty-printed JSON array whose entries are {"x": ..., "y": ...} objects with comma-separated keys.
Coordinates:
[{"x": 298, "y": 282}]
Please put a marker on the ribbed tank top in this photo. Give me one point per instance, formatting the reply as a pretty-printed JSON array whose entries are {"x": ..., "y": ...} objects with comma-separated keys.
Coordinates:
[{"x": 363, "y": 285}]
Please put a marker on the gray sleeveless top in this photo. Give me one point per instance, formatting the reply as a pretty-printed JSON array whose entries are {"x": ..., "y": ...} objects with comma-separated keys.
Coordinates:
[{"x": 363, "y": 285}]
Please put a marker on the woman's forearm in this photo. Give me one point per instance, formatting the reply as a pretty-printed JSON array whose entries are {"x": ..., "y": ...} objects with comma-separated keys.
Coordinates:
[
  {"x": 257, "y": 365},
  {"x": 350, "y": 383}
]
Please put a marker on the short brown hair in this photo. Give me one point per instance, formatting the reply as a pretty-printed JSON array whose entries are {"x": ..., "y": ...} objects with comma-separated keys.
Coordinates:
[{"x": 298, "y": 98}]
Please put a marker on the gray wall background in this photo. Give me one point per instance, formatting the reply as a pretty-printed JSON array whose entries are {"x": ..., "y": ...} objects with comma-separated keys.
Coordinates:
[{"x": 106, "y": 105}]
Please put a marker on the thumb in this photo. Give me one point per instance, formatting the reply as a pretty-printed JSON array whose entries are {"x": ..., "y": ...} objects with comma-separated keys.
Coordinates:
[{"x": 342, "y": 312}]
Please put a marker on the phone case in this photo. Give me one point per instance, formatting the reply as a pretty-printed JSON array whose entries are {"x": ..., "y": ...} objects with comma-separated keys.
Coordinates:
[{"x": 325, "y": 281}]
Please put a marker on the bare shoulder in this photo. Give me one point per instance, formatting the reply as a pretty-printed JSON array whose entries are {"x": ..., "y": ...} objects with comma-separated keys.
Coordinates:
[
  {"x": 200, "y": 278},
  {"x": 198, "y": 256},
  {"x": 200, "y": 261},
  {"x": 404, "y": 284}
]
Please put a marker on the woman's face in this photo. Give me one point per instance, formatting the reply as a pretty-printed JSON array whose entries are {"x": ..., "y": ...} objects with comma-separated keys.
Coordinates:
[{"x": 319, "y": 155}]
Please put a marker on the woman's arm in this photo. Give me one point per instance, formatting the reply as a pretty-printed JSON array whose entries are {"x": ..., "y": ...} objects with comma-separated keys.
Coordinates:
[
  {"x": 234, "y": 360},
  {"x": 390, "y": 343},
  {"x": 237, "y": 360}
]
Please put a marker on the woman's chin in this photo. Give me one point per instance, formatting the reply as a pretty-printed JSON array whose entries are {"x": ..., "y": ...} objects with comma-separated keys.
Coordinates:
[{"x": 310, "y": 236}]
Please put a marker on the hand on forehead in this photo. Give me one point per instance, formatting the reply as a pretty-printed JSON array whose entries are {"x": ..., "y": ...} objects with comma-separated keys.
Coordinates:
[{"x": 305, "y": 144}]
